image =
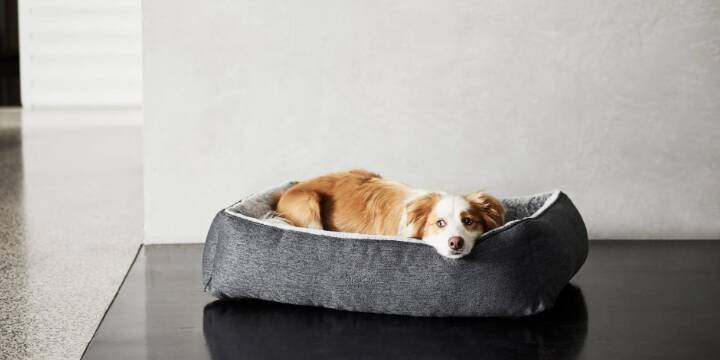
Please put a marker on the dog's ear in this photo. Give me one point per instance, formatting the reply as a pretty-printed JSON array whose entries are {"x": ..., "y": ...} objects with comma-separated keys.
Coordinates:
[
  {"x": 488, "y": 208},
  {"x": 418, "y": 212}
]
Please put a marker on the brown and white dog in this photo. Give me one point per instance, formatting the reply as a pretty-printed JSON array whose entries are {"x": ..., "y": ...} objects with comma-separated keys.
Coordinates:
[{"x": 359, "y": 201}]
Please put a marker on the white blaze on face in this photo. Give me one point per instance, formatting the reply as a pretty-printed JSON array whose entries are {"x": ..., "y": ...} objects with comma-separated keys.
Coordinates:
[{"x": 450, "y": 209}]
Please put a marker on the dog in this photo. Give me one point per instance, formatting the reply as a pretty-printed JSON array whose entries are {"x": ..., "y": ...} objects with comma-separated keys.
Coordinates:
[{"x": 359, "y": 201}]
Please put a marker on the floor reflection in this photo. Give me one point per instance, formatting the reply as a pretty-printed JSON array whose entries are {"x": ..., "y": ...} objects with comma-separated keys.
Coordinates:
[{"x": 258, "y": 329}]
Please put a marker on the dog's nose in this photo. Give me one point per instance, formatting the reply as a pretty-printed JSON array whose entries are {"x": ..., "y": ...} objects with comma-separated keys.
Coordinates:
[{"x": 455, "y": 242}]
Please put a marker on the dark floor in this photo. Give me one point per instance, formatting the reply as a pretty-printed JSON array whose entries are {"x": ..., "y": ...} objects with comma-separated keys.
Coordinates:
[{"x": 631, "y": 300}]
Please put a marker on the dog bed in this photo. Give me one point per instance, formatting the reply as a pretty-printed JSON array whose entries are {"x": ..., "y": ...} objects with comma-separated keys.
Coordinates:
[{"x": 515, "y": 270}]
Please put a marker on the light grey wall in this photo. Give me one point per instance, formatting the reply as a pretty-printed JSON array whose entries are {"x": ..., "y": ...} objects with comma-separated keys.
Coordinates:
[
  {"x": 615, "y": 102},
  {"x": 80, "y": 54}
]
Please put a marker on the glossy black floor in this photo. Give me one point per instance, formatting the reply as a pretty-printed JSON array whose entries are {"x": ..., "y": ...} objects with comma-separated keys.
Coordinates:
[{"x": 631, "y": 300}]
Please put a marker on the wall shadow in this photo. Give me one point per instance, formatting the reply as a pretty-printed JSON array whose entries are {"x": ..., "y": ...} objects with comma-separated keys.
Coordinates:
[{"x": 253, "y": 328}]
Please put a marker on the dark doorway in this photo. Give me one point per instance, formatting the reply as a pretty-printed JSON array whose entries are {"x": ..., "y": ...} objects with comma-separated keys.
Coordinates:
[{"x": 9, "y": 54}]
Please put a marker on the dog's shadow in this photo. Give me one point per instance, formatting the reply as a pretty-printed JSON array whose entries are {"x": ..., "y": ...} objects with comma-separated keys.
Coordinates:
[{"x": 259, "y": 329}]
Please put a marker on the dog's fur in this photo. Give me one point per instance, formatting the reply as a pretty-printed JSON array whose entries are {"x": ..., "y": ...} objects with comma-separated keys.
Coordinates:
[{"x": 360, "y": 201}]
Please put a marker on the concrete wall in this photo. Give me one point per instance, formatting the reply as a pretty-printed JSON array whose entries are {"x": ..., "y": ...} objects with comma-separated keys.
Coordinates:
[{"x": 615, "y": 102}]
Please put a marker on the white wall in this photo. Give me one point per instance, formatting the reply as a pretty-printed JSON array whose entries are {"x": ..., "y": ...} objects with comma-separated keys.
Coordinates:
[
  {"x": 615, "y": 102},
  {"x": 80, "y": 53}
]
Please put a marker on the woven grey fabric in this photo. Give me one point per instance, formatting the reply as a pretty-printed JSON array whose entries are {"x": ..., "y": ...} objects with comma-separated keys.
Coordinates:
[{"x": 515, "y": 270}]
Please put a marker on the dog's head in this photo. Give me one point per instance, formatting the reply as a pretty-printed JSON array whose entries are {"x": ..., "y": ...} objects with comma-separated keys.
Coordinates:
[{"x": 452, "y": 223}]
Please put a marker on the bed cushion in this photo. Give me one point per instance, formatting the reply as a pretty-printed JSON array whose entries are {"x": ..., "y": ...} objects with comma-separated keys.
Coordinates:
[{"x": 514, "y": 270}]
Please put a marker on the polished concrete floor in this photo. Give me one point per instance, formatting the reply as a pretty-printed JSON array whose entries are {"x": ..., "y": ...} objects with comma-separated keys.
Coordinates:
[
  {"x": 70, "y": 224},
  {"x": 631, "y": 300}
]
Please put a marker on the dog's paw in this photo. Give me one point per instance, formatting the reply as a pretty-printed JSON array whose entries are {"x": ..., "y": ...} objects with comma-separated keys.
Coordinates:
[{"x": 273, "y": 217}]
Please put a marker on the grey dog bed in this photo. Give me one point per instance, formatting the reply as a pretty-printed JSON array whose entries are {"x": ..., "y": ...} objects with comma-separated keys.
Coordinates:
[{"x": 515, "y": 270}]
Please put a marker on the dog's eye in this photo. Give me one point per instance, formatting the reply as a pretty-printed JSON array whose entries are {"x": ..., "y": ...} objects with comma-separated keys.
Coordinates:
[
  {"x": 441, "y": 223},
  {"x": 467, "y": 221}
]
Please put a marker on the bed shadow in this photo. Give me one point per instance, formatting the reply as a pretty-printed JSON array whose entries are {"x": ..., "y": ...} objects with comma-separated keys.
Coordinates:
[{"x": 260, "y": 329}]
